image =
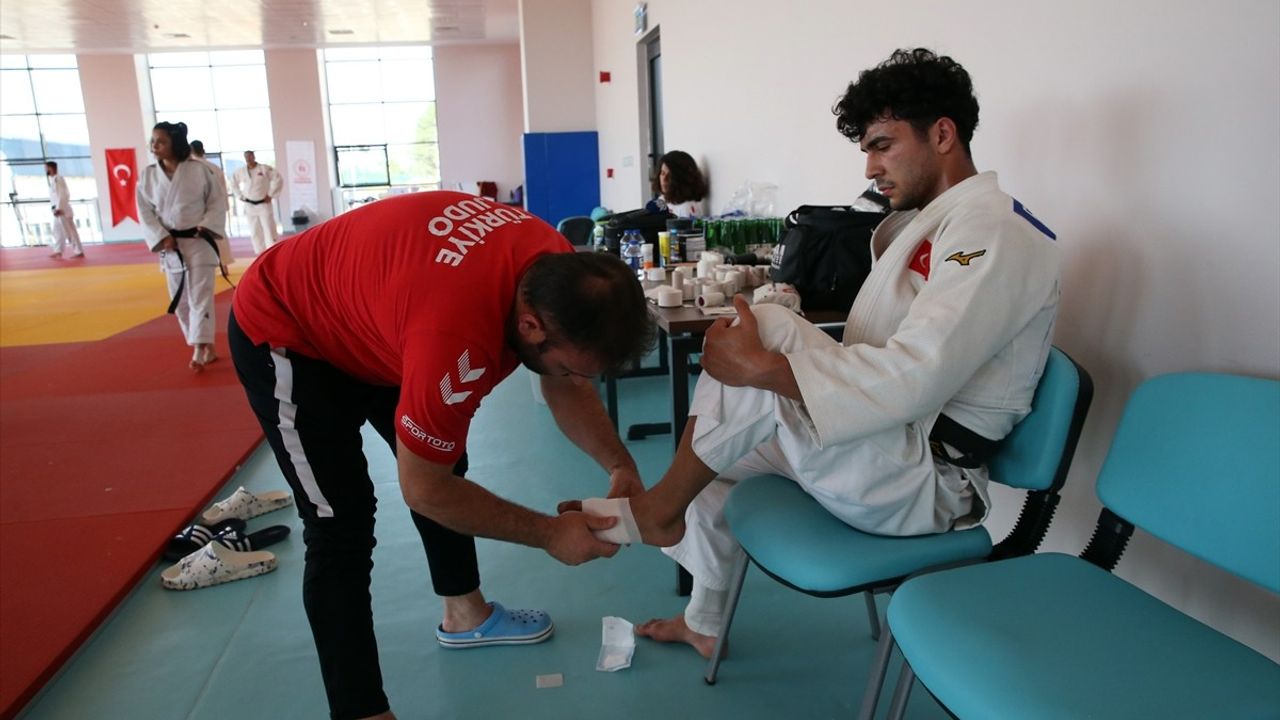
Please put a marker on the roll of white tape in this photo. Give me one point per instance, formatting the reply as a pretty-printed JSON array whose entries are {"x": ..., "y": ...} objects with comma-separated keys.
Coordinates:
[
  {"x": 677, "y": 280},
  {"x": 670, "y": 297},
  {"x": 711, "y": 299},
  {"x": 733, "y": 282},
  {"x": 689, "y": 289},
  {"x": 706, "y": 269},
  {"x": 656, "y": 275}
]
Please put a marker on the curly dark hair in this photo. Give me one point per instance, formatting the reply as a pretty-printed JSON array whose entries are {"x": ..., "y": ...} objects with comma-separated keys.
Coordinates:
[
  {"x": 687, "y": 182},
  {"x": 177, "y": 133},
  {"x": 917, "y": 86},
  {"x": 592, "y": 302}
]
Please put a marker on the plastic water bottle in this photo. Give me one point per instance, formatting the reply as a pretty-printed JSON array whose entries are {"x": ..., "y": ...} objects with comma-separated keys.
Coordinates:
[
  {"x": 598, "y": 238},
  {"x": 633, "y": 252}
]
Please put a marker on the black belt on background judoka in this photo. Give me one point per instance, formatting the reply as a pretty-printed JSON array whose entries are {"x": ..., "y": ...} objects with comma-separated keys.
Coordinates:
[
  {"x": 974, "y": 449},
  {"x": 256, "y": 202},
  {"x": 213, "y": 243}
]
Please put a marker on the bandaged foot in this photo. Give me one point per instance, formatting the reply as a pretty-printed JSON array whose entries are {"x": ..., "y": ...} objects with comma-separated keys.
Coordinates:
[{"x": 625, "y": 531}]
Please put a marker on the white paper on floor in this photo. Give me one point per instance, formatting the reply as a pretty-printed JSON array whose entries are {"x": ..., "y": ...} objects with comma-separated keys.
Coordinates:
[
  {"x": 554, "y": 680},
  {"x": 617, "y": 644}
]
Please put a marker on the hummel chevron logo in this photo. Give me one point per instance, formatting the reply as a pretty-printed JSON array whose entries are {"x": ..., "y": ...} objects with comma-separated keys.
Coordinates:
[{"x": 465, "y": 375}]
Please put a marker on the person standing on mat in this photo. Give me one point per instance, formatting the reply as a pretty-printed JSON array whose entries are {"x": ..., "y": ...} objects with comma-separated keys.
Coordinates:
[
  {"x": 64, "y": 220},
  {"x": 405, "y": 313},
  {"x": 256, "y": 185},
  {"x": 942, "y": 352},
  {"x": 197, "y": 152},
  {"x": 183, "y": 214}
]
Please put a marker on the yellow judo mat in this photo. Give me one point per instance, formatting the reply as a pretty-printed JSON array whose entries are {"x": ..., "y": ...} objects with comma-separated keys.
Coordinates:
[{"x": 81, "y": 304}]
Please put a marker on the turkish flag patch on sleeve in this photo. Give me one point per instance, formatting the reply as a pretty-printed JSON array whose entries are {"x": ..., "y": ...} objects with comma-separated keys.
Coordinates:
[{"x": 920, "y": 261}]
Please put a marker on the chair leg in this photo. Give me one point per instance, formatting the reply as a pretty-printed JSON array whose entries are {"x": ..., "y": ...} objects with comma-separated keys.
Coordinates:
[
  {"x": 873, "y": 618},
  {"x": 875, "y": 680},
  {"x": 901, "y": 693},
  {"x": 731, "y": 606}
]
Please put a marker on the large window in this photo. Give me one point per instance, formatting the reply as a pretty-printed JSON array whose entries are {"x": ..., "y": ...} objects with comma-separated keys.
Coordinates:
[
  {"x": 222, "y": 97},
  {"x": 42, "y": 118},
  {"x": 383, "y": 114}
]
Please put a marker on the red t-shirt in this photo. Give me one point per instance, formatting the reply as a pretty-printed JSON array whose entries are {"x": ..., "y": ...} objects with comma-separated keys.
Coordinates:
[{"x": 414, "y": 291}]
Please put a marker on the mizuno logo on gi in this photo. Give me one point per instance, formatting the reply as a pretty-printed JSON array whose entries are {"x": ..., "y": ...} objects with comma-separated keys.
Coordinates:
[
  {"x": 965, "y": 258},
  {"x": 465, "y": 375}
]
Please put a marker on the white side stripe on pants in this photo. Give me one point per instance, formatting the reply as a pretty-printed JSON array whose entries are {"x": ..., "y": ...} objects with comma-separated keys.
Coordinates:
[{"x": 289, "y": 434}]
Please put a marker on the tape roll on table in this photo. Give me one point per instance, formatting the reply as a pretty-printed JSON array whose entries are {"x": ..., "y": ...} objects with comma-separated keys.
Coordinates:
[
  {"x": 711, "y": 299},
  {"x": 670, "y": 297}
]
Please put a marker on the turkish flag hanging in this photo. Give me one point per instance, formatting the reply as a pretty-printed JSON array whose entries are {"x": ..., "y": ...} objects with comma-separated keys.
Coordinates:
[{"x": 122, "y": 167}]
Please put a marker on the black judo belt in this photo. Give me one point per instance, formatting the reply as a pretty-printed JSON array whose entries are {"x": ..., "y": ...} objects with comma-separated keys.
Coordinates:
[
  {"x": 213, "y": 243},
  {"x": 974, "y": 449},
  {"x": 255, "y": 202}
]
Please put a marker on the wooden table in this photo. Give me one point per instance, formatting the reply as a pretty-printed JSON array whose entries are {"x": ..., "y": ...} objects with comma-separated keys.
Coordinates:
[{"x": 681, "y": 331}]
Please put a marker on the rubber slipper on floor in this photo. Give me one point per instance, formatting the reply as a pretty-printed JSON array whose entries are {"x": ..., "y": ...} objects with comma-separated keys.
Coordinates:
[
  {"x": 194, "y": 537},
  {"x": 241, "y": 541},
  {"x": 214, "y": 564},
  {"x": 244, "y": 505},
  {"x": 504, "y": 627}
]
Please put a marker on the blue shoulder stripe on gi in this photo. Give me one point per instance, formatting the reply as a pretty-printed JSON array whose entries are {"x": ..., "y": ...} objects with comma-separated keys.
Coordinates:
[{"x": 1019, "y": 208}]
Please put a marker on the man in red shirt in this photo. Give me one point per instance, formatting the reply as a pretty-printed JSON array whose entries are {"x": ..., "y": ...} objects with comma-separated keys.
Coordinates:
[{"x": 405, "y": 313}]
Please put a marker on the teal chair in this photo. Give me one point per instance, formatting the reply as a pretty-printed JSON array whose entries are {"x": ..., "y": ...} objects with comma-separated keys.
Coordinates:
[
  {"x": 789, "y": 536},
  {"x": 577, "y": 230},
  {"x": 1194, "y": 462}
]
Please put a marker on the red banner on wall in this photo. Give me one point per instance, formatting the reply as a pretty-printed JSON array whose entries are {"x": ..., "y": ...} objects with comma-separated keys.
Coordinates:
[{"x": 122, "y": 169}]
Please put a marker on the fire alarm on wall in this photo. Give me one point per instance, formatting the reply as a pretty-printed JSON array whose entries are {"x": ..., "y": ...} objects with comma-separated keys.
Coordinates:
[
  {"x": 608, "y": 172},
  {"x": 604, "y": 76}
]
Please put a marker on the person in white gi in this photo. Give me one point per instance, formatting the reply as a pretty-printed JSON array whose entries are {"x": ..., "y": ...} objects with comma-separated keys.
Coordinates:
[
  {"x": 954, "y": 319},
  {"x": 197, "y": 153},
  {"x": 183, "y": 214},
  {"x": 256, "y": 185},
  {"x": 64, "y": 220}
]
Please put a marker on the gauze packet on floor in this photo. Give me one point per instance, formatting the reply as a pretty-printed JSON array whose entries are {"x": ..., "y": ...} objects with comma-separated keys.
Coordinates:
[{"x": 617, "y": 644}]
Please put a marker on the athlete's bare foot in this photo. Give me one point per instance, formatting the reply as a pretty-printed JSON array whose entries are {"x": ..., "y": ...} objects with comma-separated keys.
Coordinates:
[
  {"x": 675, "y": 630},
  {"x": 207, "y": 355}
]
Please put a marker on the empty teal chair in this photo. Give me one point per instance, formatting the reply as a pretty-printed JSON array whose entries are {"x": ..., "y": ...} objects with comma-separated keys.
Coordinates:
[
  {"x": 1194, "y": 463},
  {"x": 577, "y": 230},
  {"x": 789, "y": 536}
]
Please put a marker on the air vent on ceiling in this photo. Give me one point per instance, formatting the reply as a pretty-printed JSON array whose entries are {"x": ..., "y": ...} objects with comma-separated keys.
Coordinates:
[
  {"x": 342, "y": 32},
  {"x": 7, "y": 37},
  {"x": 176, "y": 36}
]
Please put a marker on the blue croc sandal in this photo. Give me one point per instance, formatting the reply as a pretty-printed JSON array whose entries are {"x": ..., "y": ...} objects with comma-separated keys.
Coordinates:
[{"x": 504, "y": 627}]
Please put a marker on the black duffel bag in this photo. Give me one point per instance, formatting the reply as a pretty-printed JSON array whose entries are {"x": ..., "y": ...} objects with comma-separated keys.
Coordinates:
[
  {"x": 647, "y": 222},
  {"x": 825, "y": 254}
]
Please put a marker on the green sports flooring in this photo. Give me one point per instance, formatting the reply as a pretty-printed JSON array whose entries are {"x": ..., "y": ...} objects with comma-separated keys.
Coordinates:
[{"x": 243, "y": 650}]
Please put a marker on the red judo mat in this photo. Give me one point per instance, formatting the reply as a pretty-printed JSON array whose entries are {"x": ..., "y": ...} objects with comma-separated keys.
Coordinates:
[{"x": 106, "y": 449}]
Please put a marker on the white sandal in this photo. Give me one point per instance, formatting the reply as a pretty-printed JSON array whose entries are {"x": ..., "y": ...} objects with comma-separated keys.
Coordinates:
[
  {"x": 244, "y": 505},
  {"x": 214, "y": 564}
]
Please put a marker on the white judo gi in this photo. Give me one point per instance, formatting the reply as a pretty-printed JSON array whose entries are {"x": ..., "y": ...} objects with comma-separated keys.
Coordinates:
[
  {"x": 64, "y": 223},
  {"x": 192, "y": 198},
  {"x": 262, "y": 184},
  {"x": 955, "y": 317}
]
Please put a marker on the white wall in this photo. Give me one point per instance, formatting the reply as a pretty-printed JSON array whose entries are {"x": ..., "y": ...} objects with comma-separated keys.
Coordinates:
[
  {"x": 479, "y": 107},
  {"x": 1144, "y": 133},
  {"x": 298, "y": 113},
  {"x": 556, "y": 57},
  {"x": 113, "y": 110}
]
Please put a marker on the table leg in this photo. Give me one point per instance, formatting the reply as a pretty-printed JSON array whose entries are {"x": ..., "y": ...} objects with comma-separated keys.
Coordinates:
[{"x": 681, "y": 348}]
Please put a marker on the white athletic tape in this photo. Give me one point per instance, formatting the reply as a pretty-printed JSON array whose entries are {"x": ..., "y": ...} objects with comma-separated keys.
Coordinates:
[{"x": 625, "y": 531}]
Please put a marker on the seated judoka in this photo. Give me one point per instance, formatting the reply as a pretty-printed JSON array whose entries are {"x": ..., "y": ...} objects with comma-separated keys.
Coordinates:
[{"x": 946, "y": 342}]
